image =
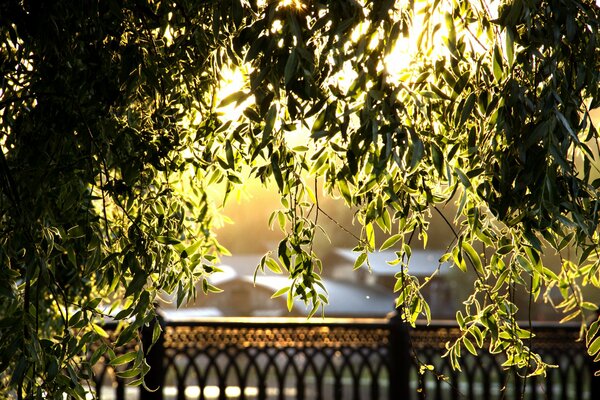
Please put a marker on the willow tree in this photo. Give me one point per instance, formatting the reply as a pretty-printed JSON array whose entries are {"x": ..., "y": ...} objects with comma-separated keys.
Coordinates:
[{"x": 114, "y": 125}]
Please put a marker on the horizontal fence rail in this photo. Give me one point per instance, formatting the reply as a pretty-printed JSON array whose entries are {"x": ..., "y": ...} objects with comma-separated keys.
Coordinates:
[{"x": 325, "y": 359}]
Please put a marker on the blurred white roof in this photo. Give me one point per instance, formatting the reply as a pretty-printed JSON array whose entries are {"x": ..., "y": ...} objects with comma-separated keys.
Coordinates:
[
  {"x": 186, "y": 314},
  {"x": 422, "y": 262},
  {"x": 345, "y": 298},
  {"x": 242, "y": 264}
]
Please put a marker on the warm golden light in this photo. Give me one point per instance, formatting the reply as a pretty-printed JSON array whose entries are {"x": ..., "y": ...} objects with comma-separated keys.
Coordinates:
[
  {"x": 429, "y": 32},
  {"x": 213, "y": 392},
  {"x": 292, "y": 4},
  {"x": 233, "y": 80}
]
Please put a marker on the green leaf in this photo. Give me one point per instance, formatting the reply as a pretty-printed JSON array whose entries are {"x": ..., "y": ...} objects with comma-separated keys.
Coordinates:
[
  {"x": 463, "y": 178},
  {"x": 345, "y": 191},
  {"x": 100, "y": 331},
  {"x": 458, "y": 259},
  {"x": 438, "y": 158},
  {"x": 282, "y": 221},
  {"x": 72, "y": 257},
  {"x": 589, "y": 306},
  {"x": 314, "y": 309},
  {"x": 232, "y": 177},
  {"x": 99, "y": 352},
  {"x": 124, "y": 358},
  {"x": 126, "y": 335},
  {"x": 391, "y": 241},
  {"x": 467, "y": 110},
  {"x": 300, "y": 149},
  {"x": 229, "y": 154},
  {"x": 290, "y": 301},
  {"x": 473, "y": 257},
  {"x": 19, "y": 371},
  {"x": 236, "y": 97},
  {"x": 167, "y": 240},
  {"x": 570, "y": 316},
  {"x": 136, "y": 284},
  {"x": 280, "y": 292},
  {"x": 290, "y": 67},
  {"x": 360, "y": 260},
  {"x": 269, "y": 123},
  {"x": 469, "y": 345},
  {"x": 156, "y": 332},
  {"x": 128, "y": 374},
  {"x": 213, "y": 289},
  {"x": 592, "y": 331},
  {"x": 370, "y": 236},
  {"x": 273, "y": 266},
  {"x": 477, "y": 335},
  {"x": 497, "y": 64},
  {"x": 417, "y": 152},
  {"x": 75, "y": 318},
  {"x": 277, "y": 173},
  {"x": 76, "y": 232},
  {"x": 510, "y": 46},
  {"x": 192, "y": 249},
  {"x": 93, "y": 303},
  {"x": 319, "y": 122},
  {"x": 594, "y": 347},
  {"x": 533, "y": 240},
  {"x": 52, "y": 368},
  {"x": 501, "y": 280},
  {"x": 549, "y": 274},
  {"x": 137, "y": 382},
  {"x": 567, "y": 126}
]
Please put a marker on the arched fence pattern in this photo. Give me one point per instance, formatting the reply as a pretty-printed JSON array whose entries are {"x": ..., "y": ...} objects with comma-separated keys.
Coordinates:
[
  {"x": 266, "y": 360},
  {"x": 334, "y": 359}
]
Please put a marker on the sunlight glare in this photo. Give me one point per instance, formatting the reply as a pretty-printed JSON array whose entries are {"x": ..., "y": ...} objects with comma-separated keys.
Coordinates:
[
  {"x": 233, "y": 80},
  {"x": 212, "y": 392},
  {"x": 299, "y": 136},
  {"x": 428, "y": 40},
  {"x": 297, "y": 4},
  {"x": 277, "y": 26},
  {"x": 398, "y": 63},
  {"x": 360, "y": 30}
]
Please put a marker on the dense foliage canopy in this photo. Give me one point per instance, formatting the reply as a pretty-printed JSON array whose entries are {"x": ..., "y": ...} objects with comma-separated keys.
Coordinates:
[{"x": 115, "y": 121}]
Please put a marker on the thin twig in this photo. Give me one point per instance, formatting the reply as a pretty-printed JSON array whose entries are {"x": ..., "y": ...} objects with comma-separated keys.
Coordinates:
[{"x": 338, "y": 224}]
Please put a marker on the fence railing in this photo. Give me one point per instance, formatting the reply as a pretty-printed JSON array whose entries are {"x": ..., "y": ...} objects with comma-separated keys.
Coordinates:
[{"x": 343, "y": 359}]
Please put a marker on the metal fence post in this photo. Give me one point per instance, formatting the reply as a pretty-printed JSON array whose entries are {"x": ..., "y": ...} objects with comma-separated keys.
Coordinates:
[
  {"x": 399, "y": 358},
  {"x": 155, "y": 358},
  {"x": 120, "y": 390},
  {"x": 594, "y": 380}
]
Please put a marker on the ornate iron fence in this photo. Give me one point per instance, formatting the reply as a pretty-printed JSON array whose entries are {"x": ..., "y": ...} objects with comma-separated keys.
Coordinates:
[
  {"x": 343, "y": 359},
  {"x": 482, "y": 376}
]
